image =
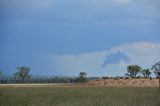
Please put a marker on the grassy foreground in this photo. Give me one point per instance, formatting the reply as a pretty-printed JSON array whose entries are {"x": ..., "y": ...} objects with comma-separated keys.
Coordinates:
[{"x": 78, "y": 96}]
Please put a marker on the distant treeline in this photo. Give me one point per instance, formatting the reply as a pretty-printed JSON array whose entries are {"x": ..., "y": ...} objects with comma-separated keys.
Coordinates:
[
  {"x": 23, "y": 75},
  {"x": 41, "y": 79},
  {"x": 12, "y": 80}
]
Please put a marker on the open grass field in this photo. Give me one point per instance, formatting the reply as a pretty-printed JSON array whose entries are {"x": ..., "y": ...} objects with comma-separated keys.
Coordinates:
[{"x": 52, "y": 95}]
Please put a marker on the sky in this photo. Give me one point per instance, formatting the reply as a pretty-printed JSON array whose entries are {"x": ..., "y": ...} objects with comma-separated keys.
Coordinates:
[{"x": 65, "y": 37}]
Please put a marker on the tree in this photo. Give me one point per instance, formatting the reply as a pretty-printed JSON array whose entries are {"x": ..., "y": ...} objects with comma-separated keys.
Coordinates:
[
  {"x": 146, "y": 73},
  {"x": 16, "y": 76},
  {"x": 0, "y": 76},
  {"x": 82, "y": 77},
  {"x": 156, "y": 69},
  {"x": 133, "y": 70},
  {"x": 23, "y": 73}
]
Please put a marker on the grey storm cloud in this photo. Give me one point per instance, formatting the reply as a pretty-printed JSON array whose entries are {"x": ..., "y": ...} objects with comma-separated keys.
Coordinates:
[{"x": 116, "y": 58}]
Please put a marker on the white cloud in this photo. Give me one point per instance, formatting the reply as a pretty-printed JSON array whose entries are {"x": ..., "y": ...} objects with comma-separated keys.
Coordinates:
[{"x": 141, "y": 53}]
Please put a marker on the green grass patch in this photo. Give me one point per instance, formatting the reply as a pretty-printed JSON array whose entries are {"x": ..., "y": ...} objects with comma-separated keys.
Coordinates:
[{"x": 78, "y": 96}]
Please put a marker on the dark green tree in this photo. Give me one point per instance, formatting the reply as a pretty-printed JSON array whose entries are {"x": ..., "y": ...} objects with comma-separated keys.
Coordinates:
[
  {"x": 156, "y": 69},
  {"x": 0, "y": 76},
  {"x": 0, "y": 72},
  {"x": 82, "y": 77},
  {"x": 16, "y": 76},
  {"x": 133, "y": 70},
  {"x": 23, "y": 73},
  {"x": 146, "y": 73}
]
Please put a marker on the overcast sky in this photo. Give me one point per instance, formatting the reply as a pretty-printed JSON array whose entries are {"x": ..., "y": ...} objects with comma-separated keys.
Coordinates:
[{"x": 64, "y": 37}]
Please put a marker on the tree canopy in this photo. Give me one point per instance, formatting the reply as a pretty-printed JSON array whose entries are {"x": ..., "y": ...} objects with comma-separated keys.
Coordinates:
[
  {"x": 133, "y": 70},
  {"x": 156, "y": 69},
  {"x": 146, "y": 73},
  {"x": 82, "y": 77},
  {"x": 23, "y": 73}
]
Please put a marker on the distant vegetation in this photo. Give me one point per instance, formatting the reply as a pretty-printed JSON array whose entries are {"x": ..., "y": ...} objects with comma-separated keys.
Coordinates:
[
  {"x": 146, "y": 73},
  {"x": 23, "y": 75},
  {"x": 156, "y": 69},
  {"x": 0, "y": 75},
  {"x": 82, "y": 77},
  {"x": 133, "y": 70}
]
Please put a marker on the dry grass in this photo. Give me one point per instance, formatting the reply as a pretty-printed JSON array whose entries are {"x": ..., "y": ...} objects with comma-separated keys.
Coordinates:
[
  {"x": 61, "y": 95},
  {"x": 125, "y": 82},
  {"x": 128, "y": 92}
]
